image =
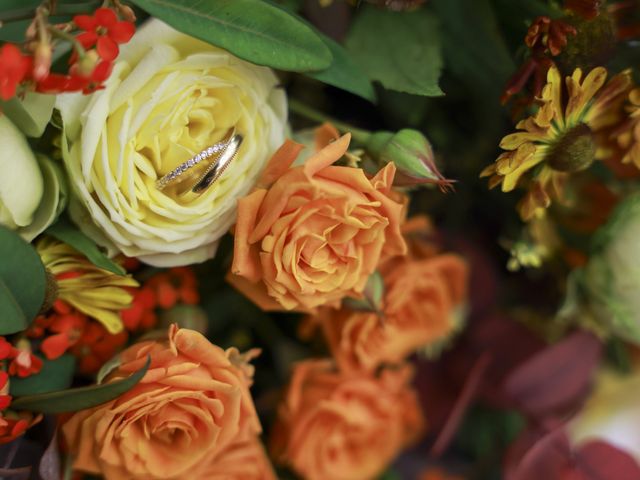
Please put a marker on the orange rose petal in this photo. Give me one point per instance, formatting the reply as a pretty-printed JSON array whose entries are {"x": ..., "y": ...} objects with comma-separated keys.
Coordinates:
[
  {"x": 327, "y": 156},
  {"x": 245, "y": 259},
  {"x": 325, "y": 134},
  {"x": 280, "y": 163}
]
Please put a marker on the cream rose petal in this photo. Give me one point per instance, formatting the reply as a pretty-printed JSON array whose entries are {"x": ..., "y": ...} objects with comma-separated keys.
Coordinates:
[{"x": 169, "y": 97}]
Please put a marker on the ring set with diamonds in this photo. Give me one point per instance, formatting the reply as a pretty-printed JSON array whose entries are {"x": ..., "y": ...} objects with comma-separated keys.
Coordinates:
[{"x": 223, "y": 154}]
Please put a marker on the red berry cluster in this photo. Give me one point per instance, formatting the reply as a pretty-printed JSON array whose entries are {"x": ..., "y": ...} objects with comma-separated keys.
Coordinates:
[{"x": 96, "y": 46}]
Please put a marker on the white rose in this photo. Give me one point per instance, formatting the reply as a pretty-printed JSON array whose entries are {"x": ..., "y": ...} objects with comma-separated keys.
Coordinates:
[{"x": 169, "y": 97}]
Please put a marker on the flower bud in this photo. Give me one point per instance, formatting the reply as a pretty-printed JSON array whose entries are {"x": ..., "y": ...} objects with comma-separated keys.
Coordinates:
[
  {"x": 42, "y": 61},
  {"x": 411, "y": 153},
  {"x": 21, "y": 184},
  {"x": 85, "y": 65},
  {"x": 126, "y": 12}
]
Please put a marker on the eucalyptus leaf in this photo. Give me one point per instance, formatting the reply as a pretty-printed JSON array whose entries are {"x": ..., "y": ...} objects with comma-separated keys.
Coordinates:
[
  {"x": 400, "y": 50},
  {"x": 30, "y": 114},
  {"x": 253, "y": 30},
  {"x": 64, "y": 231},
  {"x": 22, "y": 282},
  {"x": 76, "y": 399},
  {"x": 55, "y": 375}
]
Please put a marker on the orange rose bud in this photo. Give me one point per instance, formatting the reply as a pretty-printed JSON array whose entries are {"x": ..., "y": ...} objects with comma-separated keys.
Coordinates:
[
  {"x": 42, "y": 61},
  {"x": 345, "y": 426},
  {"x": 192, "y": 404},
  {"x": 315, "y": 232}
]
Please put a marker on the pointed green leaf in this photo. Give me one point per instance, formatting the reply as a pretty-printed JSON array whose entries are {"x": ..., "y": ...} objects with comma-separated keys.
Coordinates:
[
  {"x": 400, "y": 50},
  {"x": 253, "y": 30},
  {"x": 76, "y": 399},
  {"x": 22, "y": 282},
  {"x": 66, "y": 232}
]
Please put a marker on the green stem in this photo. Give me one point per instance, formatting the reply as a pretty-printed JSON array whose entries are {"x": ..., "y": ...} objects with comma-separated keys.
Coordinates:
[
  {"x": 359, "y": 135},
  {"x": 56, "y": 32}
]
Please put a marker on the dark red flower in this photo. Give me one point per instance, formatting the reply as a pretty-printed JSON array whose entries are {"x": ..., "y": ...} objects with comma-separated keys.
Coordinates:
[
  {"x": 548, "y": 34},
  {"x": 14, "y": 67},
  {"x": 587, "y": 9},
  {"x": 104, "y": 30}
]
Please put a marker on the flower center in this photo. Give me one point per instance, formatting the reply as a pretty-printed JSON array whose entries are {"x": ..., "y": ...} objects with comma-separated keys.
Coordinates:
[{"x": 574, "y": 151}]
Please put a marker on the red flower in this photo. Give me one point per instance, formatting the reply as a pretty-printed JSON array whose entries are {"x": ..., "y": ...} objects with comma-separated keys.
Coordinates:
[
  {"x": 68, "y": 328},
  {"x": 5, "y": 350},
  {"x": 5, "y": 400},
  {"x": 96, "y": 347},
  {"x": 141, "y": 314},
  {"x": 545, "y": 33},
  {"x": 104, "y": 30},
  {"x": 14, "y": 426},
  {"x": 13, "y": 69},
  {"x": 56, "y": 83},
  {"x": 24, "y": 364},
  {"x": 179, "y": 284}
]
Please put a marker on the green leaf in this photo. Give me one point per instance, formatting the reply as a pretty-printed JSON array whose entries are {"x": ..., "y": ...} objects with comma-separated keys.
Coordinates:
[
  {"x": 400, "y": 50},
  {"x": 55, "y": 375},
  {"x": 30, "y": 114},
  {"x": 81, "y": 398},
  {"x": 344, "y": 73},
  {"x": 253, "y": 30},
  {"x": 22, "y": 282},
  {"x": 64, "y": 231}
]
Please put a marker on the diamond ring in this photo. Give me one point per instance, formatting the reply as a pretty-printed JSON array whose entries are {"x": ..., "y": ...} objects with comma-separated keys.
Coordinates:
[{"x": 181, "y": 169}]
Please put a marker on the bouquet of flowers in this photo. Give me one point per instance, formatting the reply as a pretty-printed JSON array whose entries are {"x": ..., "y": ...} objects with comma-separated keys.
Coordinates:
[{"x": 229, "y": 250}]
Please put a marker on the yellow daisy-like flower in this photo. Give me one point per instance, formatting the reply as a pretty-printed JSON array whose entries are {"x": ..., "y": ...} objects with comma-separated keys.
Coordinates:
[
  {"x": 98, "y": 293},
  {"x": 561, "y": 137}
]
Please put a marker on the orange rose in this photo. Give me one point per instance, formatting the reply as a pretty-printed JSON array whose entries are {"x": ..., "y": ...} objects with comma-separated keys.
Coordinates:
[
  {"x": 192, "y": 404},
  {"x": 345, "y": 426},
  {"x": 421, "y": 306},
  {"x": 245, "y": 460},
  {"x": 316, "y": 233}
]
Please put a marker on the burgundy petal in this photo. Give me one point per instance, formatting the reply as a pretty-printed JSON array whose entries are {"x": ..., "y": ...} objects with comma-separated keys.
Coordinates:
[{"x": 557, "y": 377}]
